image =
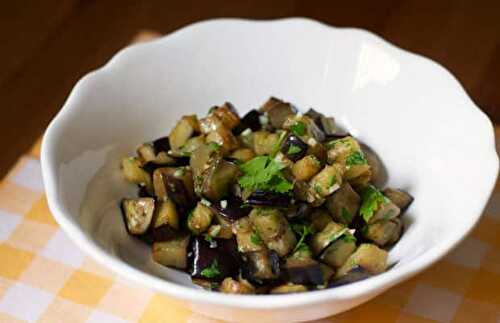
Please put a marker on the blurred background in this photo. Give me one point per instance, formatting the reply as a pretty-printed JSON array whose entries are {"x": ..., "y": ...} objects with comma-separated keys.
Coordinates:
[{"x": 46, "y": 46}]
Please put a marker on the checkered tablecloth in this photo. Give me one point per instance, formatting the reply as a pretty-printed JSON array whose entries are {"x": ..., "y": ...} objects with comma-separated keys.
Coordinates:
[{"x": 45, "y": 278}]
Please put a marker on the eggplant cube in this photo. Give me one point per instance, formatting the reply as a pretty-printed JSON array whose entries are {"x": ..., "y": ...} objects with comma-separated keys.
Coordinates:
[
  {"x": 166, "y": 221},
  {"x": 355, "y": 274},
  {"x": 288, "y": 289},
  {"x": 173, "y": 252},
  {"x": 339, "y": 251},
  {"x": 369, "y": 257},
  {"x": 231, "y": 286},
  {"x": 248, "y": 240},
  {"x": 343, "y": 204},
  {"x": 213, "y": 261},
  {"x": 200, "y": 219},
  {"x": 325, "y": 183},
  {"x": 138, "y": 214},
  {"x": 133, "y": 173},
  {"x": 303, "y": 271},
  {"x": 261, "y": 265},
  {"x": 218, "y": 178},
  {"x": 294, "y": 148},
  {"x": 384, "y": 232},
  {"x": 323, "y": 239},
  {"x": 399, "y": 197}
]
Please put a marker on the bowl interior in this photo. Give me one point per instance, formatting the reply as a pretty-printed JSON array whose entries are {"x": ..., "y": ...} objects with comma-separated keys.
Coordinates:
[{"x": 410, "y": 111}]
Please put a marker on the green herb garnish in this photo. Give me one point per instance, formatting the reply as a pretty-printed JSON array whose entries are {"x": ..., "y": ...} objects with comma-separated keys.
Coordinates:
[
  {"x": 214, "y": 146},
  {"x": 346, "y": 215},
  {"x": 208, "y": 238},
  {"x": 211, "y": 271},
  {"x": 302, "y": 230},
  {"x": 255, "y": 239},
  {"x": 264, "y": 173},
  {"x": 293, "y": 149},
  {"x": 298, "y": 129},
  {"x": 338, "y": 234},
  {"x": 356, "y": 158},
  {"x": 212, "y": 109},
  {"x": 349, "y": 238},
  {"x": 371, "y": 199}
]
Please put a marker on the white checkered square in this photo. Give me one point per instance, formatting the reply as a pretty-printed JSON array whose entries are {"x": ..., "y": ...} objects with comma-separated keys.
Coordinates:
[
  {"x": 469, "y": 253},
  {"x": 30, "y": 175},
  {"x": 433, "y": 303},
  {"x": 100, "y": 317},
  {"x": 61, "y": 248},
  {"x": 8, "y": 222},
  {"x": 25, "y": 302}
]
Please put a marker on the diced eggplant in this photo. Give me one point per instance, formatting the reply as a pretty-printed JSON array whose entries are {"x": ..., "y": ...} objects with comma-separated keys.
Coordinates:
[
  {"x": 315, "y": 116},
  {"x": 368, "y": 256},
  {"x": 264, "y": 142},
  {"x": 384, "y": 232},
  {"x": 249, "y": 121},
  {"x": 161, "y": 145},
  {"x": 300, "y": 189},
  {"x": 200, "y": 219},
  {"x": 261, "y": 265},
  {"x": 304, "y": 127},
  {"x": 210, "y": 123},
  {"x": 274, "y": 230},
  {"x": 213, "y": 261},
  {"x": 183, "y": 130},
  {"x": 218, "y": 179},
  {"x": 248, "y": 239},
  {"x": 206, "y": 284},
  {"x": 327, "y": 124},
  {"x": 293, "y": 148},
  {"x": 288, "y": 289},
  {"x": 143, "y": 192},
  {"x": 146, "y": 153},
  {"x": 175, "y": 184},
  {"x": 328, "y": 272},
  {"x": 166, "y": 221},
  {"x": 277, "y": 111},
  {"x": 232, "y": 286},
  {"x": 399, "y": 197},
  {"x": 232, "y": 208},
  {"x": 343, "y": 204},
  {"x": 242, "y": 154},
  {"x": 340, "y": 149},
  {"x": 339, "y": 251},
  {"x": 327, "y": 181},
  {"x": 201, "y": 158},
  {"x": 135, "y": 174},
  {"x": 299, "y": 211},
  {"x": 224, "y": 138},
  {"x": 303, "y": 271},
  {"x": 191, "y": 145},
  {"x": 319, "y": 219},
  {"x": 317, "y": 150},
  {"x": 225, "y": 231},
  {"x": 173, "y": 252},
  {"x": 325, "y": 237},
  {"x": 271, "y": 199},
  {"x": 228, "y": 115},
  {"x": 138, "y": 214},
  {"x": 306, "y": 168},
  {"x": 375, "y": 206},
  {"x": 355, "y": 274},
  {"x": 385, "y": 211}
]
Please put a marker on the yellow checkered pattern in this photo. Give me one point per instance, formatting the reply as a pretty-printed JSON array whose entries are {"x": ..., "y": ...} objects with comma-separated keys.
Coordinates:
[{"x": 45, "y": 278}]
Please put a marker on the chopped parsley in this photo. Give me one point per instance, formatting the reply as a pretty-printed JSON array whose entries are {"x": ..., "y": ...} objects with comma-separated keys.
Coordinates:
[
  {"x": 212, "y": 109},
  {"x": 302, "y": 230},
  {"x": 346, "y": 215},
  {"x": 211, "y": 271},
  {"x": 371, "y": 199},
  {"x": 298, "y": 128},
  {"x": 349, "y": 238},
  {"x": 356, "y": 158},
  {"x": 214, "y": 146},
  {"x": 332, "y": 180},
  {"x": 255, "y": 239},
  {"x": 338, "y": 234},
  {"x": 293, "y": 149},
  {"x": 264, "y": 173},
  {"x": 277, "y": 145}
]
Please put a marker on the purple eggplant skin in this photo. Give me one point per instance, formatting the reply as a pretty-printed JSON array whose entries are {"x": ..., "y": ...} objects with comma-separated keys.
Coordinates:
[
  {"x": 250, "y": 120},
  {"x": 161, "y": 144},
  {"x": 303, "y": 271},
  {"x": 300, "y": 211},
  {"x": 261, "y": 266},
  {"x": 179, "y": 193},
  {"x": 272, "y": 199},
  {"x": 234, "y": 210},
  {"x": 357, "y": 273},
  {"x": 143, "y": 192},
  {"x": 223, "y": 253},
  {"x": 294, "y": 141},
  {"x": 337, "y": 135}
]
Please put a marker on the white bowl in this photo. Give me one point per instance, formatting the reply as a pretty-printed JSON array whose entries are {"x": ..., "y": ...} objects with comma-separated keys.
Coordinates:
[{"x": 431, "y": 137}]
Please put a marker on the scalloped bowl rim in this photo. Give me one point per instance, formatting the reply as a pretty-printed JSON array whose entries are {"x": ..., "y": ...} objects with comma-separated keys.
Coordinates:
[{"x": 377, "y": 283}]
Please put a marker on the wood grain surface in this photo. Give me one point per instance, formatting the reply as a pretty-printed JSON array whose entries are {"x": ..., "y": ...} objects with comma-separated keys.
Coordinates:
[{"x": 46, "y": 46}]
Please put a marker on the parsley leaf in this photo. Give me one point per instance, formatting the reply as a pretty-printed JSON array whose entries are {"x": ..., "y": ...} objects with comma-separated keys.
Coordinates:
[
  {"x": 371, "y": 199},
  {"x": 349, "y": 238},
  {"x": 293, "y": 149},
  {"x": 264, "y": 173},
  {"x": 213, "y": 146},
  {"x": 303, "y": 230},
  {"x": 298, "y": 129},
  {"x": 211, "y": 271},
  {"x": 255, "y": 239},
  {"x": 356, "y": 158}
]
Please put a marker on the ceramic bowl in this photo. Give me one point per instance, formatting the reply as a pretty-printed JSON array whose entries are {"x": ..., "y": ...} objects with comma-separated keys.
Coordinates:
[{"x": 432, "y": 139}]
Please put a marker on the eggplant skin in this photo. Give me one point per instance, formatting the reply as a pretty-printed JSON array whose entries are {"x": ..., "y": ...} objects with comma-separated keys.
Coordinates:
[
  {"x": 234, "y": 210},
  {"x": 249, "y": 121},
  {"x": 260, "y": 266},
  {"x": 401, "y": 198},
  {"x": 161, "y": 144},
  {"x": 138, "y": 214},
  {"x": 272, "y": 199},
  {"x": 294, "y": 148},
  {"x": 223, "y": 253},
  {"x": 357, "y": 273},
  {"x": 303, "y": 271}
]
